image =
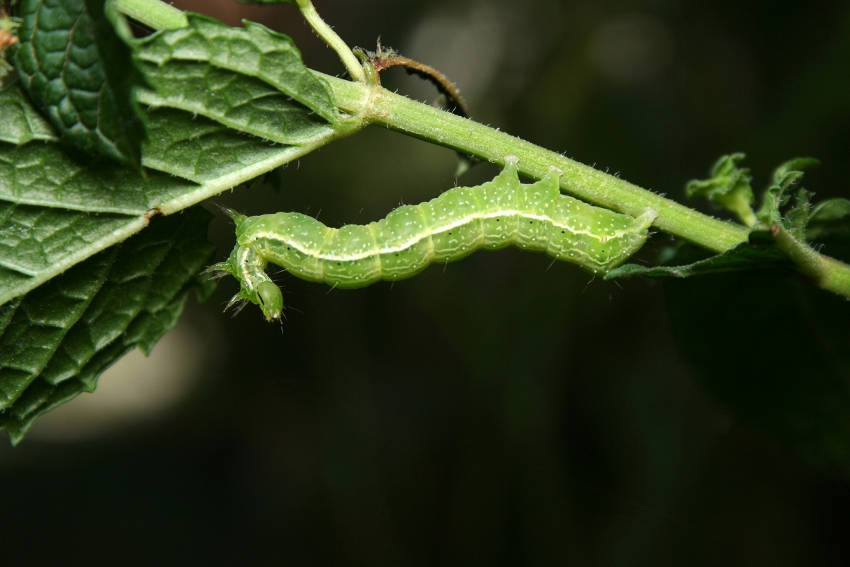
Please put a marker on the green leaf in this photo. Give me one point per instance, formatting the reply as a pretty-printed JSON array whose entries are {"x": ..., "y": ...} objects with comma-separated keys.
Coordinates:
[
  {"x": 729, "y": 187},
  {"x": 254, "y": 51},
  {"x": 788, "y": 224},
  {"x": 831, "y": 210},
  {"x": 80, "y": 74},
  {"x": 43, "y": 175},
  {"x": 778, "y": 195},
  {"x": 72, "y": 297},
  {"x": 57, "y": 340},
  {"x": 797, "y": 217},
  {"x": 233, "y": 100},
  {"x": 205, "y": 152},
  {"x": 829, "y": 218},
  {"x": 56, "y": 212},
  {"x": 757, "y": 254},
  {"x": 21, "y": 122}
]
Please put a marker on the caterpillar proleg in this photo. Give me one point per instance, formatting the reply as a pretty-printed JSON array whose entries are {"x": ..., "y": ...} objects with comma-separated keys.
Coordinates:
[{"x": 496, "y": 214}]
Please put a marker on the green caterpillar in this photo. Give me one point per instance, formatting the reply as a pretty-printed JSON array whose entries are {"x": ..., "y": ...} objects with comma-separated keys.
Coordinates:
[{"x": 496, "y": 214}]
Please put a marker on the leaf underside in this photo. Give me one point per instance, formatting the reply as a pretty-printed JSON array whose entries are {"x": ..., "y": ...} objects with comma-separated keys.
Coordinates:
[
  {"x": 73, "y": 298},
  {"x": 254, "y": 51},
  {"x": 58, "y": 339},
  {"x": 21, "y": 122}
]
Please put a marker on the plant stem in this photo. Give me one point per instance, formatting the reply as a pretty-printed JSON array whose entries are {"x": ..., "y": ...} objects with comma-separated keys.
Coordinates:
[
  {"x": 157, "y": 15},
  {"x": 330, "y": 37},
  {"x": 828, "y": 273},
  {"x": 434, "y": 125}
]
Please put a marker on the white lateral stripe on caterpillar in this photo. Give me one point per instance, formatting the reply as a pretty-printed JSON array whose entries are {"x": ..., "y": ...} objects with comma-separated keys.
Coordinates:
[
  {"x": 413, "y": 241},
  {"x": 493, "y": 215}
]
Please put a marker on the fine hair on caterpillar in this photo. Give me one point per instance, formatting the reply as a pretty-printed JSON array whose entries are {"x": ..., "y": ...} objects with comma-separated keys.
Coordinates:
[{"x": 499, "y": 213}]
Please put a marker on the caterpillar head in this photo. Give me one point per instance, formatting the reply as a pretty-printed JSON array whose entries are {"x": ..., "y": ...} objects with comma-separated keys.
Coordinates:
[
  {"x": 270, "y": 300},
  {"x": 255, "y": 285},
  {"x": 267, "y": 296}
]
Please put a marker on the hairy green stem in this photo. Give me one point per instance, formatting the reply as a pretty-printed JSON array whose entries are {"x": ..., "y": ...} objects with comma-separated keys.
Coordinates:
[
  {"x": 828, "y": 273},
  {"x": 330, "y": 37}
]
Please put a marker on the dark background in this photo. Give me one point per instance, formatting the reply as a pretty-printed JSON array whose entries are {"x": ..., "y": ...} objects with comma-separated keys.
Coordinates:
[{"x": 499, "y": 410}]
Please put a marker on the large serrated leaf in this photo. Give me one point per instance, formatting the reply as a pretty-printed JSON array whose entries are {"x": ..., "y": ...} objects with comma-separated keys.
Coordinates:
[
  {"x": 56, "y": 210},
  {"x": 254, "y": 51},
  {"x": 72, "y": 297},
  {"x": 80, "y": 74},
  {"x": 57, "y": 340}
]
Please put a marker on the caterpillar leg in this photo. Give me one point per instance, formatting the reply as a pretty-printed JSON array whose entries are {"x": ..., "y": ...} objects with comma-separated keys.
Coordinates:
[{"x": 255, "y": 285}]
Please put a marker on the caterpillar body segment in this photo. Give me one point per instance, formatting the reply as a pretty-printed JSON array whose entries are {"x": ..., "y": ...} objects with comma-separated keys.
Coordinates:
[{"x": 502, "y": 212}]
